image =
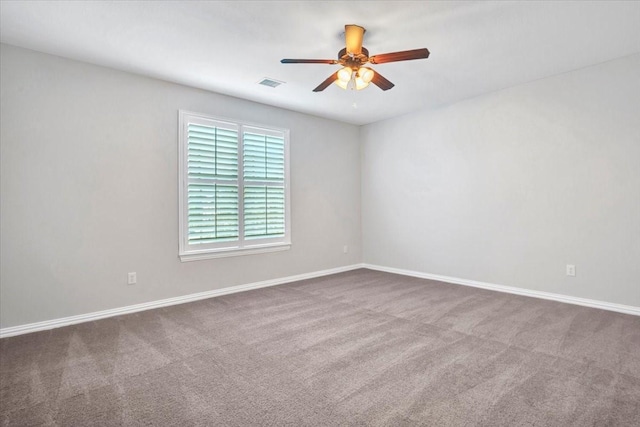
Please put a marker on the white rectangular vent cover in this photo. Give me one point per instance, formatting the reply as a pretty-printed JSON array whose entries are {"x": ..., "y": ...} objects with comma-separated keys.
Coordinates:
[{"x": 270, "y": 82}]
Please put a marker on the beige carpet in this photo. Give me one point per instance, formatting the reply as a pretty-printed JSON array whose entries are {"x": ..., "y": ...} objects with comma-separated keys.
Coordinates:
[{"x": 358, "y": 348}]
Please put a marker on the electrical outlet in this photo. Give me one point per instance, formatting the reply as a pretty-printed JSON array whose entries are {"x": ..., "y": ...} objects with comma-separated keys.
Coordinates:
[
  {"x": 345, "y": 249},
  {"x": 132, "y": 278},
  {"x": 571, "y": 270}
]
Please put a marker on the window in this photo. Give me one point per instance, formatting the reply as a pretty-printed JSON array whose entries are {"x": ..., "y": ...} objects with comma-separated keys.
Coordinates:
[{"x": 234, "y": 188}]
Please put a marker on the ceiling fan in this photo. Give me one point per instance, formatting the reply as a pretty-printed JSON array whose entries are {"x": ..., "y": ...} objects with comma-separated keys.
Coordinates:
[{"x": 354, "y": 75}]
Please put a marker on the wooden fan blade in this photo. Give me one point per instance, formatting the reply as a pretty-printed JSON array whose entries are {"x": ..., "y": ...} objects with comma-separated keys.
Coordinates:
[
  {"x": 325, "y": 84},
  {"x": 404, "y": 55},
  {"x": 309, "y": 61},
  {"x": 381, "y": 82},
  {"x": 353, "y": 35}
]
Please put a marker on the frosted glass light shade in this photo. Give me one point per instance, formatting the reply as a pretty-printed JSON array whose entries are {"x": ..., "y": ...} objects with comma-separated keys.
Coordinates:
[
  {"x": 342, "y": 84},
  {"x": 360, "y": 83},
  {"x": 344, "y": 74},
  {"x": 366, "y": 74},
  {"x": 350, "y": 79}
]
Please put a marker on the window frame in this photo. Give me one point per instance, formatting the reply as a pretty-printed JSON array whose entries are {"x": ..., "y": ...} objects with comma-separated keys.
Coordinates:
[{"x": 241, "y": 246}]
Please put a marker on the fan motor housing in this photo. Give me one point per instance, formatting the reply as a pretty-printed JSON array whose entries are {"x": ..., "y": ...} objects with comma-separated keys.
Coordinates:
[{"x": 353, "y": 61}]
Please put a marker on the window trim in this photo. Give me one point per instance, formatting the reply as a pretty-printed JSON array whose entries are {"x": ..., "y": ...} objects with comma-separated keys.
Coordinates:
[{"x": 239, "y": 247}]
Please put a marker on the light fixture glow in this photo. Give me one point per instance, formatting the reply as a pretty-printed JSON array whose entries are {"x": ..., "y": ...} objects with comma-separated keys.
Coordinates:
[
  {"x": 360, "y": 83},
  {"x": 342, "y": 84},
  {"x": 366, "y": 74},
  {"x": 344, "y": 75},
  {"x": 354, "y": 79}
]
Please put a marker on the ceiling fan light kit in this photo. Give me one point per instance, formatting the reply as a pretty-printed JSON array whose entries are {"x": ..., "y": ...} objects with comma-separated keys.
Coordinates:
[
  {"x": 354, "y": 75},
  {"x": 350, "y": 79}
]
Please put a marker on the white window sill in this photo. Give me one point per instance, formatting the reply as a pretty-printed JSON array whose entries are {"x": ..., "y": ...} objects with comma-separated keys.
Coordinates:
[{"x": 223, "y": 253}]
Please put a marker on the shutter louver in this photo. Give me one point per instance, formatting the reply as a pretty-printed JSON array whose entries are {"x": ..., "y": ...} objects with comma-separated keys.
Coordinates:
[
  {"x": 213, "y": 152},
  {"x": 264, "y": 193},
  {"x": 263, "y": 158},
  {"x": 263, "y": 211},
  {"x": 212, "y": 169}
]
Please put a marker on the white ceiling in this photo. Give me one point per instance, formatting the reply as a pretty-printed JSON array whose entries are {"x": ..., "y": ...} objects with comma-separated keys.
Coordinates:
[{"x": 228, "y": 46}]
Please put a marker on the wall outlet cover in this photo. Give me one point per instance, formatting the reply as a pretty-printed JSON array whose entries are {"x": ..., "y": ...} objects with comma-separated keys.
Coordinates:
[{"x": 571, "y": 270}]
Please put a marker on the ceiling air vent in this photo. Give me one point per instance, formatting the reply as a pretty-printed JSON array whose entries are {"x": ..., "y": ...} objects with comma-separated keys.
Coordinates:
[{"x": 270, "y": 82}]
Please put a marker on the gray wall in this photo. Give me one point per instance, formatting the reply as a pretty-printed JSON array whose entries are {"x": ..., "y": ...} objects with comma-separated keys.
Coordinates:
[
  {"x": 504, "y": 188},
  {"x": 89, "y": 190},
  {"x": 509, "y": 187}
]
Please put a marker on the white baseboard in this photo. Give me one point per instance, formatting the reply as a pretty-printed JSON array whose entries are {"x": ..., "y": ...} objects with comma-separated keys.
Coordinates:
[
  {"x": 88, "y": 317},
  {"x": 627, "y": 309}
]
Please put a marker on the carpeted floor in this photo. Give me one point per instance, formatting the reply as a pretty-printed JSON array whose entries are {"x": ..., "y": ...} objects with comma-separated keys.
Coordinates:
[{"x": 357, "y": 348}]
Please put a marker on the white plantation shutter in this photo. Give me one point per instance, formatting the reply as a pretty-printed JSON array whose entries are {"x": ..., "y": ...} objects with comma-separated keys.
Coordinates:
[
  {"x": 213, "y": 213},
  {"x": 234, "y": 187},
  {"x": 264, "y": 201},
  {"x": 263, "y": 212},
  {"x": 263, "y": 157},
  {"x": 212, "y": 168}
]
